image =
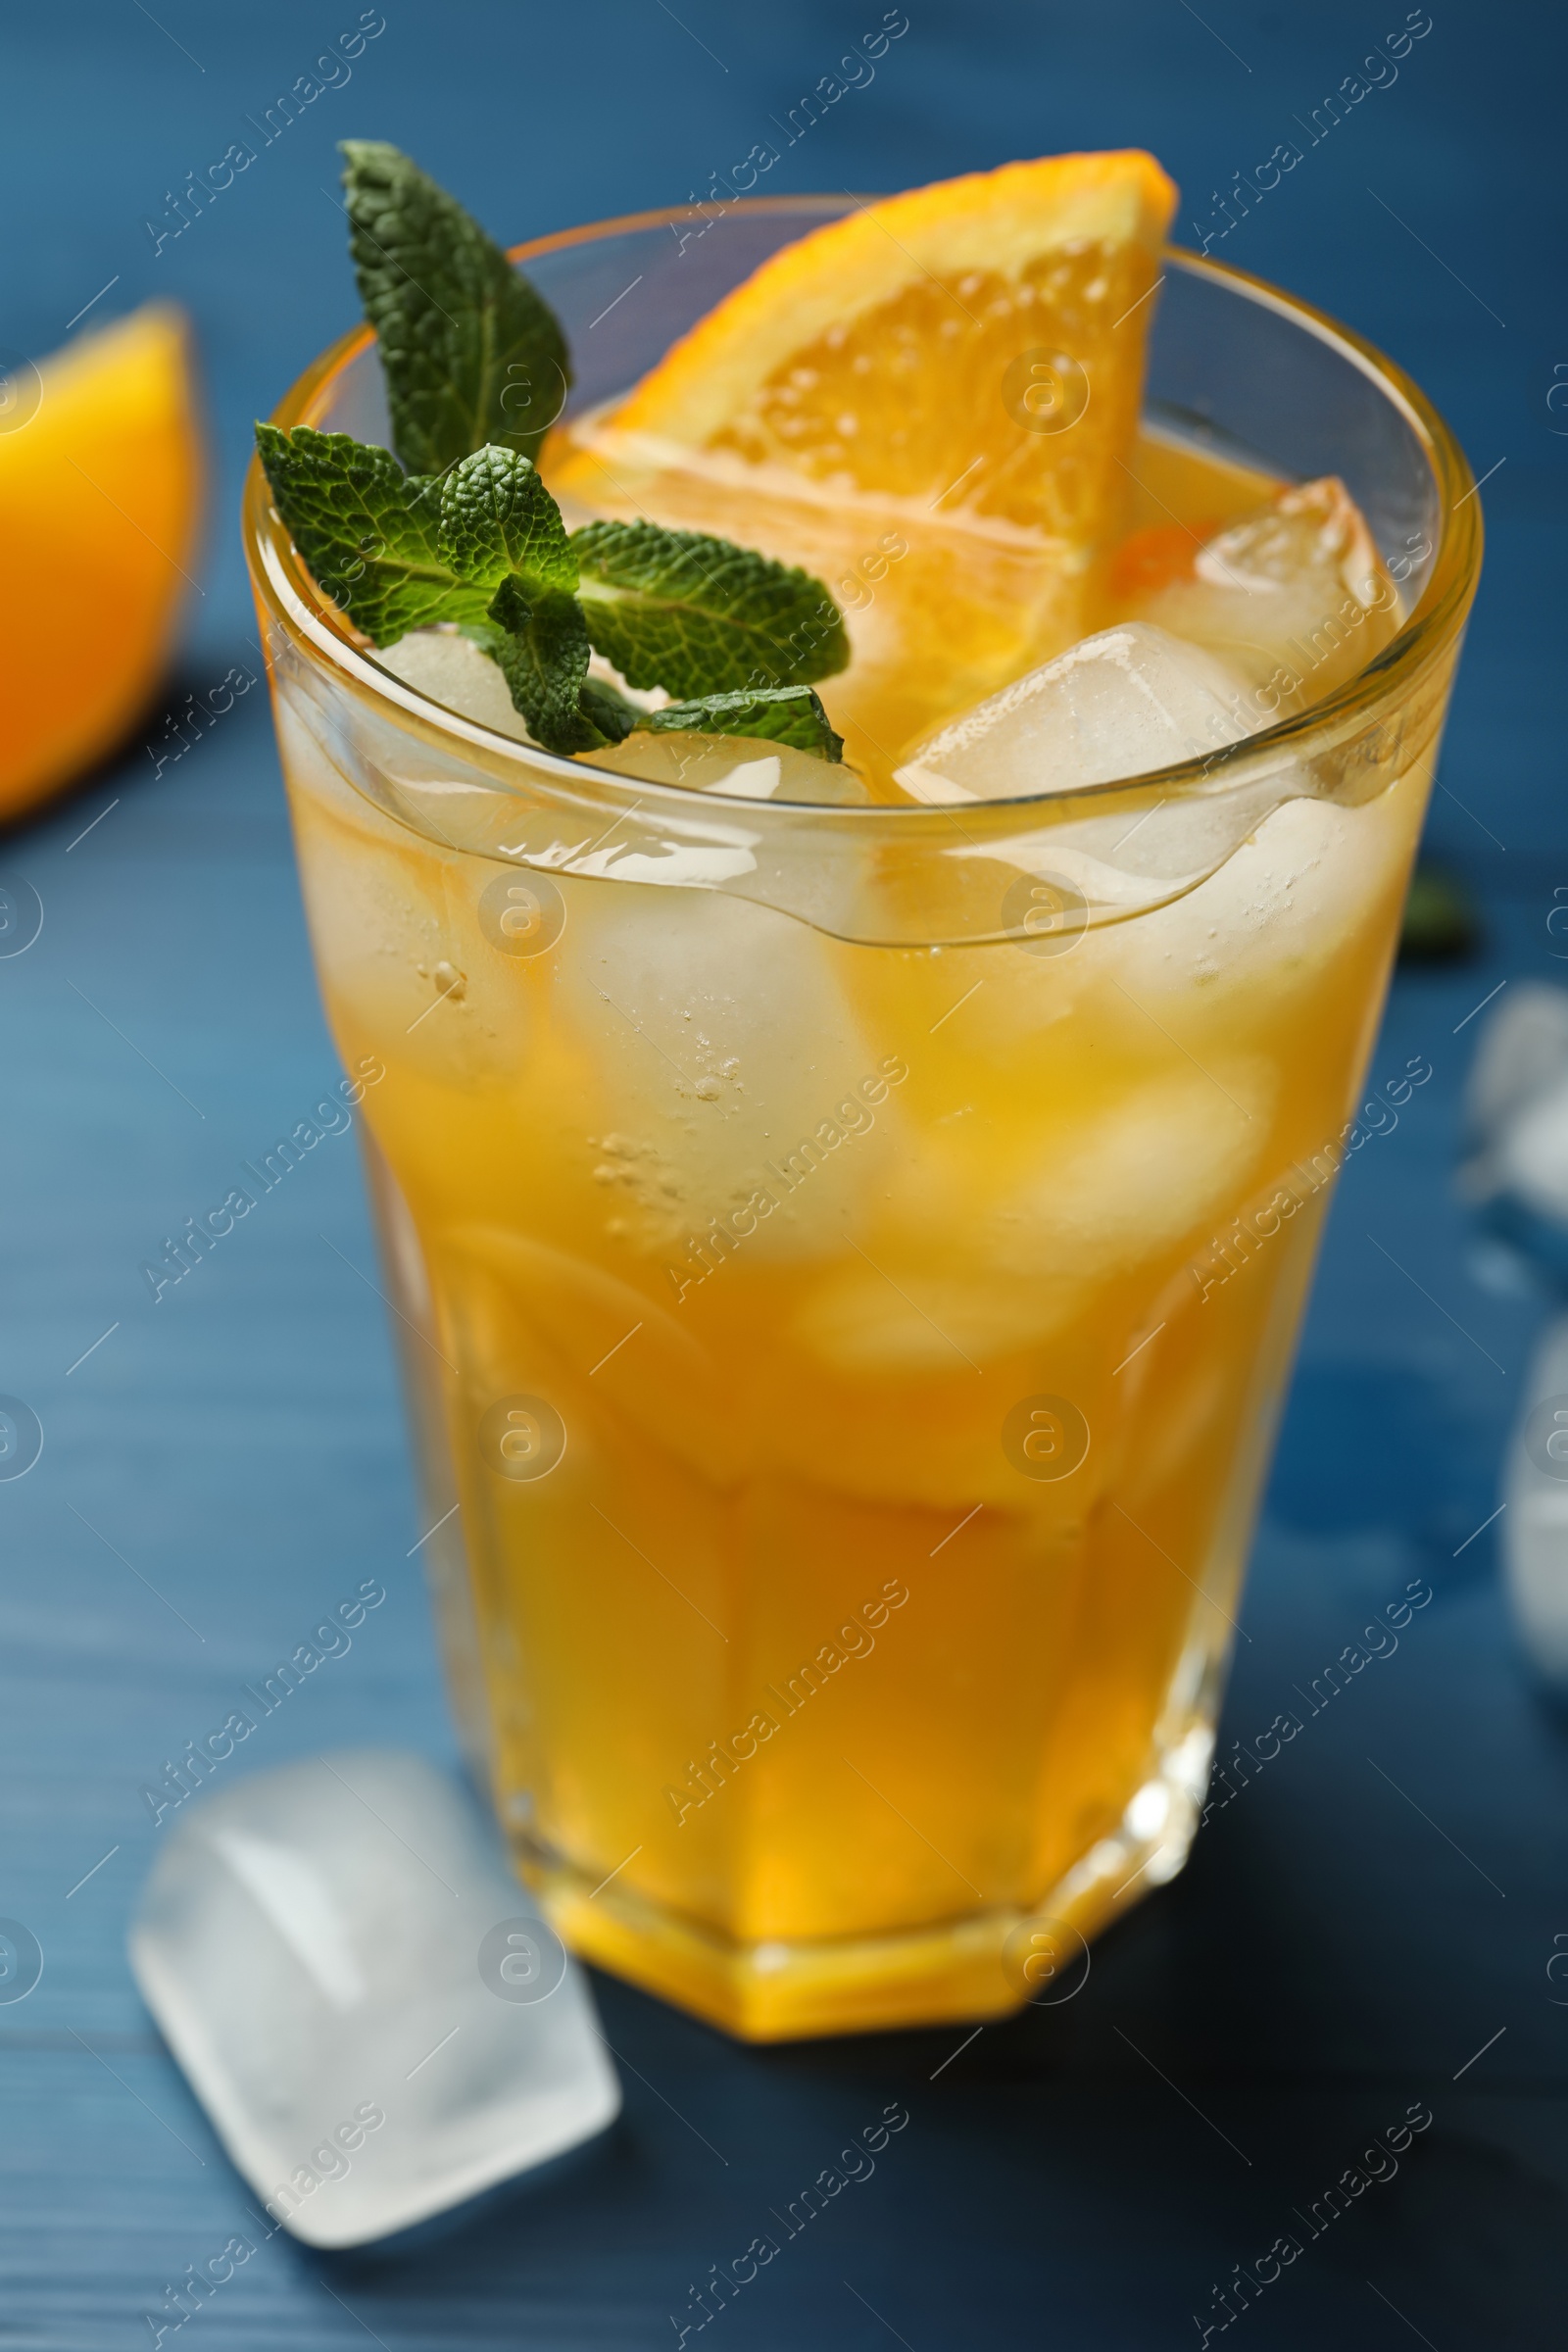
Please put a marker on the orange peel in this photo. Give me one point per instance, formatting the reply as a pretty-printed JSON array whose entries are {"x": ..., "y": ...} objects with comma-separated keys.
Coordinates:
[{"x": 100, "y": 495}]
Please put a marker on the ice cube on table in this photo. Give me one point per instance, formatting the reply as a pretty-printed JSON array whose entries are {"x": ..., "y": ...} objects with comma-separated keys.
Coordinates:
[
  {"x": 1535, "y": 1523},
  {"x": 1294, "y": 596},
  {"x": 1529, "y": 1157},
  {"x": 1118, "y": 704},
  {"x": 372, "y": 2010},
  {"x": 1521, "y": 1051},
  {"x": 1516, "y": 1109}
]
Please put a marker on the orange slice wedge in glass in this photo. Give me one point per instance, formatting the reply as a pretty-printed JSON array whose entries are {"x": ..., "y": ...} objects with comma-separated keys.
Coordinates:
[{"x": 930, "y": 402}]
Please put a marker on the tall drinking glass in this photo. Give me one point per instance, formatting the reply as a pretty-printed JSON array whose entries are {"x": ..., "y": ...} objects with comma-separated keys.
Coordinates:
[{"x": 846, "y": 1259}]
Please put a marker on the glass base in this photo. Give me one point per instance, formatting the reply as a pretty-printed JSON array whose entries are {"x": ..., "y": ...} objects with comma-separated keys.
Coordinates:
[{"x": 984, "y": 1965}]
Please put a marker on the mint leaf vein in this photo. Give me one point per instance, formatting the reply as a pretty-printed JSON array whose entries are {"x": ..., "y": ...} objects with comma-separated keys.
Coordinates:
[
  {"x": 699, "y": 616},
  {"x": 497, "y": 517}
]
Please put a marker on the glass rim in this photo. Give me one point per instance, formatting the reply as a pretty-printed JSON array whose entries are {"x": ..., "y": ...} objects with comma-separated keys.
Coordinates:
[{"x": 1423, "y": 638}]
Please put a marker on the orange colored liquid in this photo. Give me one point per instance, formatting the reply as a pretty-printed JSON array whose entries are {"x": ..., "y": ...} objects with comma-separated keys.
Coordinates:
[{"x": 795, "y": 1647}]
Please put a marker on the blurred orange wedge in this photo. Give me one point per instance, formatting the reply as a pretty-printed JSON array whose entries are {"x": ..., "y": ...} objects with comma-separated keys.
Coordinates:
[
  {"x": 100, "y": 491},
  {"x": 930, "y": 402}
]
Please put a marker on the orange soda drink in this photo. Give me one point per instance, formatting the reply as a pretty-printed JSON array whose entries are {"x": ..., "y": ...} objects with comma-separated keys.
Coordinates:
[{"x": 849, "y": 1237}]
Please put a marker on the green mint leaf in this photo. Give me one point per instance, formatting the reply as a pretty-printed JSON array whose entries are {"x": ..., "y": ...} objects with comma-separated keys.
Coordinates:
[
  {"x": 497, "y": 518},
  {"x": 541, "y": 645},
  {"x": 792, "y": 714},
  {"x": 471, "y": 352},
  {"x": 609, "y": 711},
  {"x": 368, "y": 534},
  {"x": 699, "y": 617}
]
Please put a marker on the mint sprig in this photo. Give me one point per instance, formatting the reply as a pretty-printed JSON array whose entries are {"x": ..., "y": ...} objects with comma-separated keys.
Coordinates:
[
  {"x": 485, "y": 547},
  {"x": 700, "y": 616},
  {"x": 471, "y": 352},
  {"x": 471, "y": 536}
]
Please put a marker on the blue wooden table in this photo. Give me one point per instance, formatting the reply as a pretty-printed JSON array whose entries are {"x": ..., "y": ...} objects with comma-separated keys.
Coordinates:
[{"x": 1367, "y": 1927}]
